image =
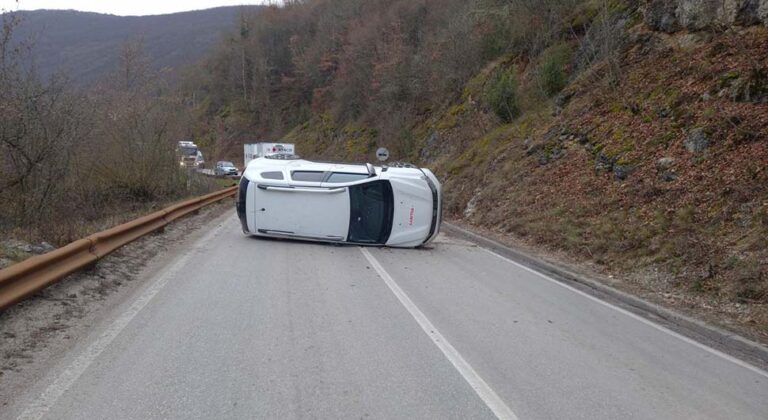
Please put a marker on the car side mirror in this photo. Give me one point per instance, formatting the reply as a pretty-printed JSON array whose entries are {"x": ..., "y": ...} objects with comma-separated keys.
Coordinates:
[{"x": 371, "y": 170}]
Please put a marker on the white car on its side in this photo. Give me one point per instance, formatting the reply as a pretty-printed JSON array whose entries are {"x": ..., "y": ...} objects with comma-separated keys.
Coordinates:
[{"x": 286, "y": 197}]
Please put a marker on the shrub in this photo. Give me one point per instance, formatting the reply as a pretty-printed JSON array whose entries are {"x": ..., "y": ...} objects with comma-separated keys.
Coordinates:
[
  {"x": 553, "y": 73},
  {"x": 501, "y": 94}
]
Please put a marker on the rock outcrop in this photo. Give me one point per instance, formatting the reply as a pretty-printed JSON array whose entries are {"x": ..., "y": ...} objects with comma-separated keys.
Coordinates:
[
  {"x": 697, "y": 141},
  {"x": 695, "y": 15}
]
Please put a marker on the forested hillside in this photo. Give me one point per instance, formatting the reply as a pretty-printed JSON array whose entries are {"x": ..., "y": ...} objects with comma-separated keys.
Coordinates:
[
  {"x": 629, "y": 134},
  {"x": 86, "y": 46}
]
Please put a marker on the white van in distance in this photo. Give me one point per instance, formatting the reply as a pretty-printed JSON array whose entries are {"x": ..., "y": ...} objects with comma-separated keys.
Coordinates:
[{"x": 283, "y": 196}]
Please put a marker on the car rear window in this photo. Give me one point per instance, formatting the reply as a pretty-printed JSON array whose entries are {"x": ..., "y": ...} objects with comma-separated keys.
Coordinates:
[
  {"x": 308, "y": 176},
  {"x": 341, "y": 177},
  {"x": 272, "y": 175}
]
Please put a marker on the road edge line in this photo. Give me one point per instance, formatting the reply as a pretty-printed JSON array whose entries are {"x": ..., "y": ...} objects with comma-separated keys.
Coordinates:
[
  {"x": 63, "y": 380},
  {"x": 475, "y": 381},
  {"x": 756, "y": 355}
]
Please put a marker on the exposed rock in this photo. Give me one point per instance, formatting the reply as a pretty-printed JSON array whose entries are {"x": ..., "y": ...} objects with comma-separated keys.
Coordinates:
[
  {"x": 622, "y": 172},
  {"x": 664, "y": 166},
  {"x": 668, "y": 176},
  {"x": 533, "y": 149},
  {"x": 762, "y": 12},
  {"x": 660, "y": 15},
  {"x": 582, "y": 139},
  {"x": 17, "y": 245},
  {"x": 739, "y": 12},
  {"x": 697, "y": 141},
  {"x": 752, "y": 88},
  {"x": 663, "y": 112},
  {"x": 665, "y": 163},
  {"x": 604, "y": 163},
  {"x": 430, "y": 148},
  {"x": 43, "y": 248},
  {"x": 472, "y": 205},
  {"x": 548, "y": 155},
  {"x": 527, "y": 142},
  {"x": 561, "y": 101},
  {"x": 697, "y": 14},
  {"x": 673, "y": 15}
]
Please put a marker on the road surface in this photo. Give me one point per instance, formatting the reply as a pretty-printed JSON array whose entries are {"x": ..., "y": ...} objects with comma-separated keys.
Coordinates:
[{"x": 239, "y": 327}]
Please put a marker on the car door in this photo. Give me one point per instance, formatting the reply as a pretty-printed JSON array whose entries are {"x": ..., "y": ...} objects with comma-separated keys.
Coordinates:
[{"x": 302, "y": 208}]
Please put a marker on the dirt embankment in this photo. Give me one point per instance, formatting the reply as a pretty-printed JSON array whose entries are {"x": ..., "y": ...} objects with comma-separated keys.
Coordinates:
[{"x": 39, "y": 330}]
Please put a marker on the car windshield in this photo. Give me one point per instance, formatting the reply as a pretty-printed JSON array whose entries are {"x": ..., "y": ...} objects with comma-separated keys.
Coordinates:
[
  {"x": 371, "y": 209},
  {"x": 227, "y": 164}
]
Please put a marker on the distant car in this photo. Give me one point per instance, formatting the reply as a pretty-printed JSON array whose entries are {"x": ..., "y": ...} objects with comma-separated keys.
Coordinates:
[
  {"x": 286, "y": 197},
  {"x": 225, "y": 168}
]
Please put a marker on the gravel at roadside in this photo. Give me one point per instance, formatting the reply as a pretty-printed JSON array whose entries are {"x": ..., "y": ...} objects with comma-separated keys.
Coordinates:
[{"x": 38, "y": 331}]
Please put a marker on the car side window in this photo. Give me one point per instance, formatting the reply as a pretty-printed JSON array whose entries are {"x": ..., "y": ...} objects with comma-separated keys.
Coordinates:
[
  {"x": 272, "y": 175},
  {"x": 308, "y": 176},
  {"x": 341, "y": 177}
]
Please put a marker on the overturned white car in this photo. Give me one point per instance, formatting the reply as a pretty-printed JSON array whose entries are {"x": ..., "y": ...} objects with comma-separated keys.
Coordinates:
[{"x": 285, "y": 197}]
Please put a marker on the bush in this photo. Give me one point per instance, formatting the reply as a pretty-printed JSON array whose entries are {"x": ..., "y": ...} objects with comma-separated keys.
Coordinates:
[
  {"x": 553, "y": 73},
  {"x": 501, "y": 94}
]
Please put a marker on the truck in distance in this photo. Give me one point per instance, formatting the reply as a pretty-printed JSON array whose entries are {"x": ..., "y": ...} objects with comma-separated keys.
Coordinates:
[
  {"x": 189, "y": 155},
  {"x": 252, "y": 151}
]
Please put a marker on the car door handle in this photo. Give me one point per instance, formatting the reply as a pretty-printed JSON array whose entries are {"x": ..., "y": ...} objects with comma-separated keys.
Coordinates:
[{"x": 301, "y": 189}]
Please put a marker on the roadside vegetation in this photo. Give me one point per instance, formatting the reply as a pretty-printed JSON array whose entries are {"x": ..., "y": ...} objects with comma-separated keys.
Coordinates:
[
  {"x": 76, "y": 161},
  {"x": 611, "y": 132}
]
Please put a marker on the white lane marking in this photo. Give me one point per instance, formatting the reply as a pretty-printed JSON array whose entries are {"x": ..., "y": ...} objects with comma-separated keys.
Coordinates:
[
  {"x": 483, "y": 390},
  {"x": 633, "y": 316},
  {"x": 40, "y": 407}
]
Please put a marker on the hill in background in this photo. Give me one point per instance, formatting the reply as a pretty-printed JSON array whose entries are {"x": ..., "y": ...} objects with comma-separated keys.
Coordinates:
[{"x": 87, "y": 45}]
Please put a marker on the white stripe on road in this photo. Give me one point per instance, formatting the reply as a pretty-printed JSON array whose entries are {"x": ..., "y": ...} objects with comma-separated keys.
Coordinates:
[
  {"x": 483, "y": 390},
  {"x": 64, "y": 381},
  {"x": 634, "y": 316}
]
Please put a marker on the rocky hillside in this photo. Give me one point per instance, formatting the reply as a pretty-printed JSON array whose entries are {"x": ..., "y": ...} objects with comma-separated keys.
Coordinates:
[{"x": 661, "y": 179}]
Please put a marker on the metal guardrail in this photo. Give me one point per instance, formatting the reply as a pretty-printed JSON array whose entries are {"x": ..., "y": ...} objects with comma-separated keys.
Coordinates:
[{"x": 27, "y": 277}]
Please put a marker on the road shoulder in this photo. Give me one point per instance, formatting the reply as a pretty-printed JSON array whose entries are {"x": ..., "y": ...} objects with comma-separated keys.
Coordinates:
[
  {"x": 698, "y": 330},
  {"x": 38, "y": 332}
]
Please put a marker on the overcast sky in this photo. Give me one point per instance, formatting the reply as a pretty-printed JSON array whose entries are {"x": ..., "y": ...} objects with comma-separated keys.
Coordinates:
[{"x": 124, "y": 7}]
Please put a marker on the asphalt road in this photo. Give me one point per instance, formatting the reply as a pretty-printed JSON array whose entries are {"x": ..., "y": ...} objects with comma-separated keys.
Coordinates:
[{"x": 240, "y": 327}]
